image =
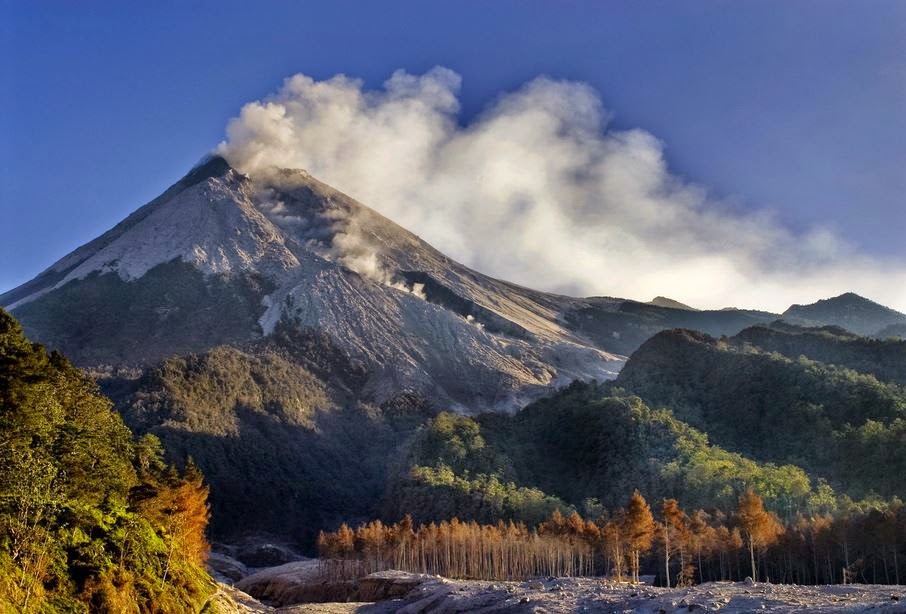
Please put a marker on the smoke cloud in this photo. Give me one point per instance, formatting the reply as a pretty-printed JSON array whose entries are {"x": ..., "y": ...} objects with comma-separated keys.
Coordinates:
[{"x": 539, "y": 189}]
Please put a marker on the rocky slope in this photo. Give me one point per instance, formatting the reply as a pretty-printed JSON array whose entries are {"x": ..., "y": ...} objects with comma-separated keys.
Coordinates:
[{"x": 221, "y": 258}]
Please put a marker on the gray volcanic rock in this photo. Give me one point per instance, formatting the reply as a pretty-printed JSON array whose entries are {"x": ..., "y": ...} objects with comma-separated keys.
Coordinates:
[{"x": 222, "y": 258}]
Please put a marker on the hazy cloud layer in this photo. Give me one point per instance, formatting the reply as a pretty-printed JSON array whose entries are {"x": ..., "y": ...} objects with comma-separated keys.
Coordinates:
[{"x": 539, "y": 190}]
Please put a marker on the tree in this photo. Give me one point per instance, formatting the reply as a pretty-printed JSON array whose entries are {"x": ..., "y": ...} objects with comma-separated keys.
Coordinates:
[
  {"x": 614, "y": 543},
  {"x": 638, "y": 529},
  {"x": 760, "y": 528},
  {"x": 675, "y": 536}
]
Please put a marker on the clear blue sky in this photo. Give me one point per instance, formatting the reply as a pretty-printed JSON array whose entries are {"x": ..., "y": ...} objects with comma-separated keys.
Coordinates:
[{"x": 796, "y": 106}]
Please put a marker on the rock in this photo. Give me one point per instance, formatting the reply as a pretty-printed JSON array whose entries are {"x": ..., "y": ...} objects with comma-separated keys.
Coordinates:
[
  {"x": 536, "y": 585},
  {"x": 383, "y": 585},
  {"x": 226, "y": 568}
]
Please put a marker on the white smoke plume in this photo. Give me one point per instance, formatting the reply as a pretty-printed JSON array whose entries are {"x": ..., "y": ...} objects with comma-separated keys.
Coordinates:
[{"x": 540, "y": 190}]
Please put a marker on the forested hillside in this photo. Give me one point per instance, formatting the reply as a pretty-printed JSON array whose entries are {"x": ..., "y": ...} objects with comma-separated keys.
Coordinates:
[
  {"x": 90, "y": 518},
  {"x": 837, "y": 423},
  {"x": 884, "y": 358},
  {"x": 580, "y": 449},
  {"x": 274, "y": 427},
  {"x": 277, "y": 429}
]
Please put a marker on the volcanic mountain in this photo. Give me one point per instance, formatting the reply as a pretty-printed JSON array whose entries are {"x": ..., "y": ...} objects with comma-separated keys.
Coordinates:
[
  {"x": 295, "y": 343},
  {"x": 223, "y": 259}
]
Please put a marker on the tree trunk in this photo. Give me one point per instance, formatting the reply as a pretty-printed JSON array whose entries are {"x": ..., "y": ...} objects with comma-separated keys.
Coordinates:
[
  {"x": 667, "y": 554},
  {"x": 752, "y": 557}
]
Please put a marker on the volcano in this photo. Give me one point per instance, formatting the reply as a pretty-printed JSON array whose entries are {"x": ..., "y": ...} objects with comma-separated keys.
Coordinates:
[{"x": 221, "y": 258}]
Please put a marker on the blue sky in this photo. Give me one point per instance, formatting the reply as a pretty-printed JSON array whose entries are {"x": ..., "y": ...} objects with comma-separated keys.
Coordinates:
[{"x": 796, "y": 107}]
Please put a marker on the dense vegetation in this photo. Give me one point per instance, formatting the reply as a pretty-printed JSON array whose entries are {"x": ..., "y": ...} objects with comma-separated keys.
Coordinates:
[
  {"x": 284, "y": 451},
  {"x": 274, "y": 440},
  {"x": 883, "y": 358},
  {"x": 578, "y": 449},
  {"x": 851, "y": 544},
  {"x": 845, "y": 426},
  {"x": 90, "y": 519},
  {"x": 692, "y": 419}
]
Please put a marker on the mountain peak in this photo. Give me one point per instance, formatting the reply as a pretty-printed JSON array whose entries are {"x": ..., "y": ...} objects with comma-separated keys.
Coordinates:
[
  {"x": 224, "y": 258},
  {"x": 663, "y": 301},
  {"x": 212, "y": 165}
]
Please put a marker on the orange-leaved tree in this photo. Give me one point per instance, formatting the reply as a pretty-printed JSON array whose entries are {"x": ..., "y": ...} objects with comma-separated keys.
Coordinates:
[
  {"x": 638, "y": 529},
  {"x": 760, "y": 527}
]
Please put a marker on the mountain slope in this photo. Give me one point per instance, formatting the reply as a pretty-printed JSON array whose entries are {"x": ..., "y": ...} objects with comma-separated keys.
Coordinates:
[
  {"x": 581, "y": 447},
  {"x": 883, "y": 358},
  {"x": 850, "y": 311},
  {"x": 286, "y": 449},
  {"x": 834, "y": 422},
  {"x": 221, "y": 258}
]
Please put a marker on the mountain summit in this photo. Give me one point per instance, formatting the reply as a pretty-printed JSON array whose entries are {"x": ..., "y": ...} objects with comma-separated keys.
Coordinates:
[{"x": 223, "y": 258}]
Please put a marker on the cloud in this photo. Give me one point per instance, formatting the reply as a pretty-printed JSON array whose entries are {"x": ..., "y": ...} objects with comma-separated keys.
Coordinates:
[{"x": 540, "y": 189}]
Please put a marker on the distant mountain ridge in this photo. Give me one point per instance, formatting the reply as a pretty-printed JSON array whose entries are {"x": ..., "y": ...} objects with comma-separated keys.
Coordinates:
[
  {"x": 885, "y": 358},
  {"x": 850, "y": 311}
]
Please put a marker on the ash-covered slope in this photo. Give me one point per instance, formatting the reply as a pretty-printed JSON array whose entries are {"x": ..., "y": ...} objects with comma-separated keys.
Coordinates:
[{"x": 222, "y": 258}]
